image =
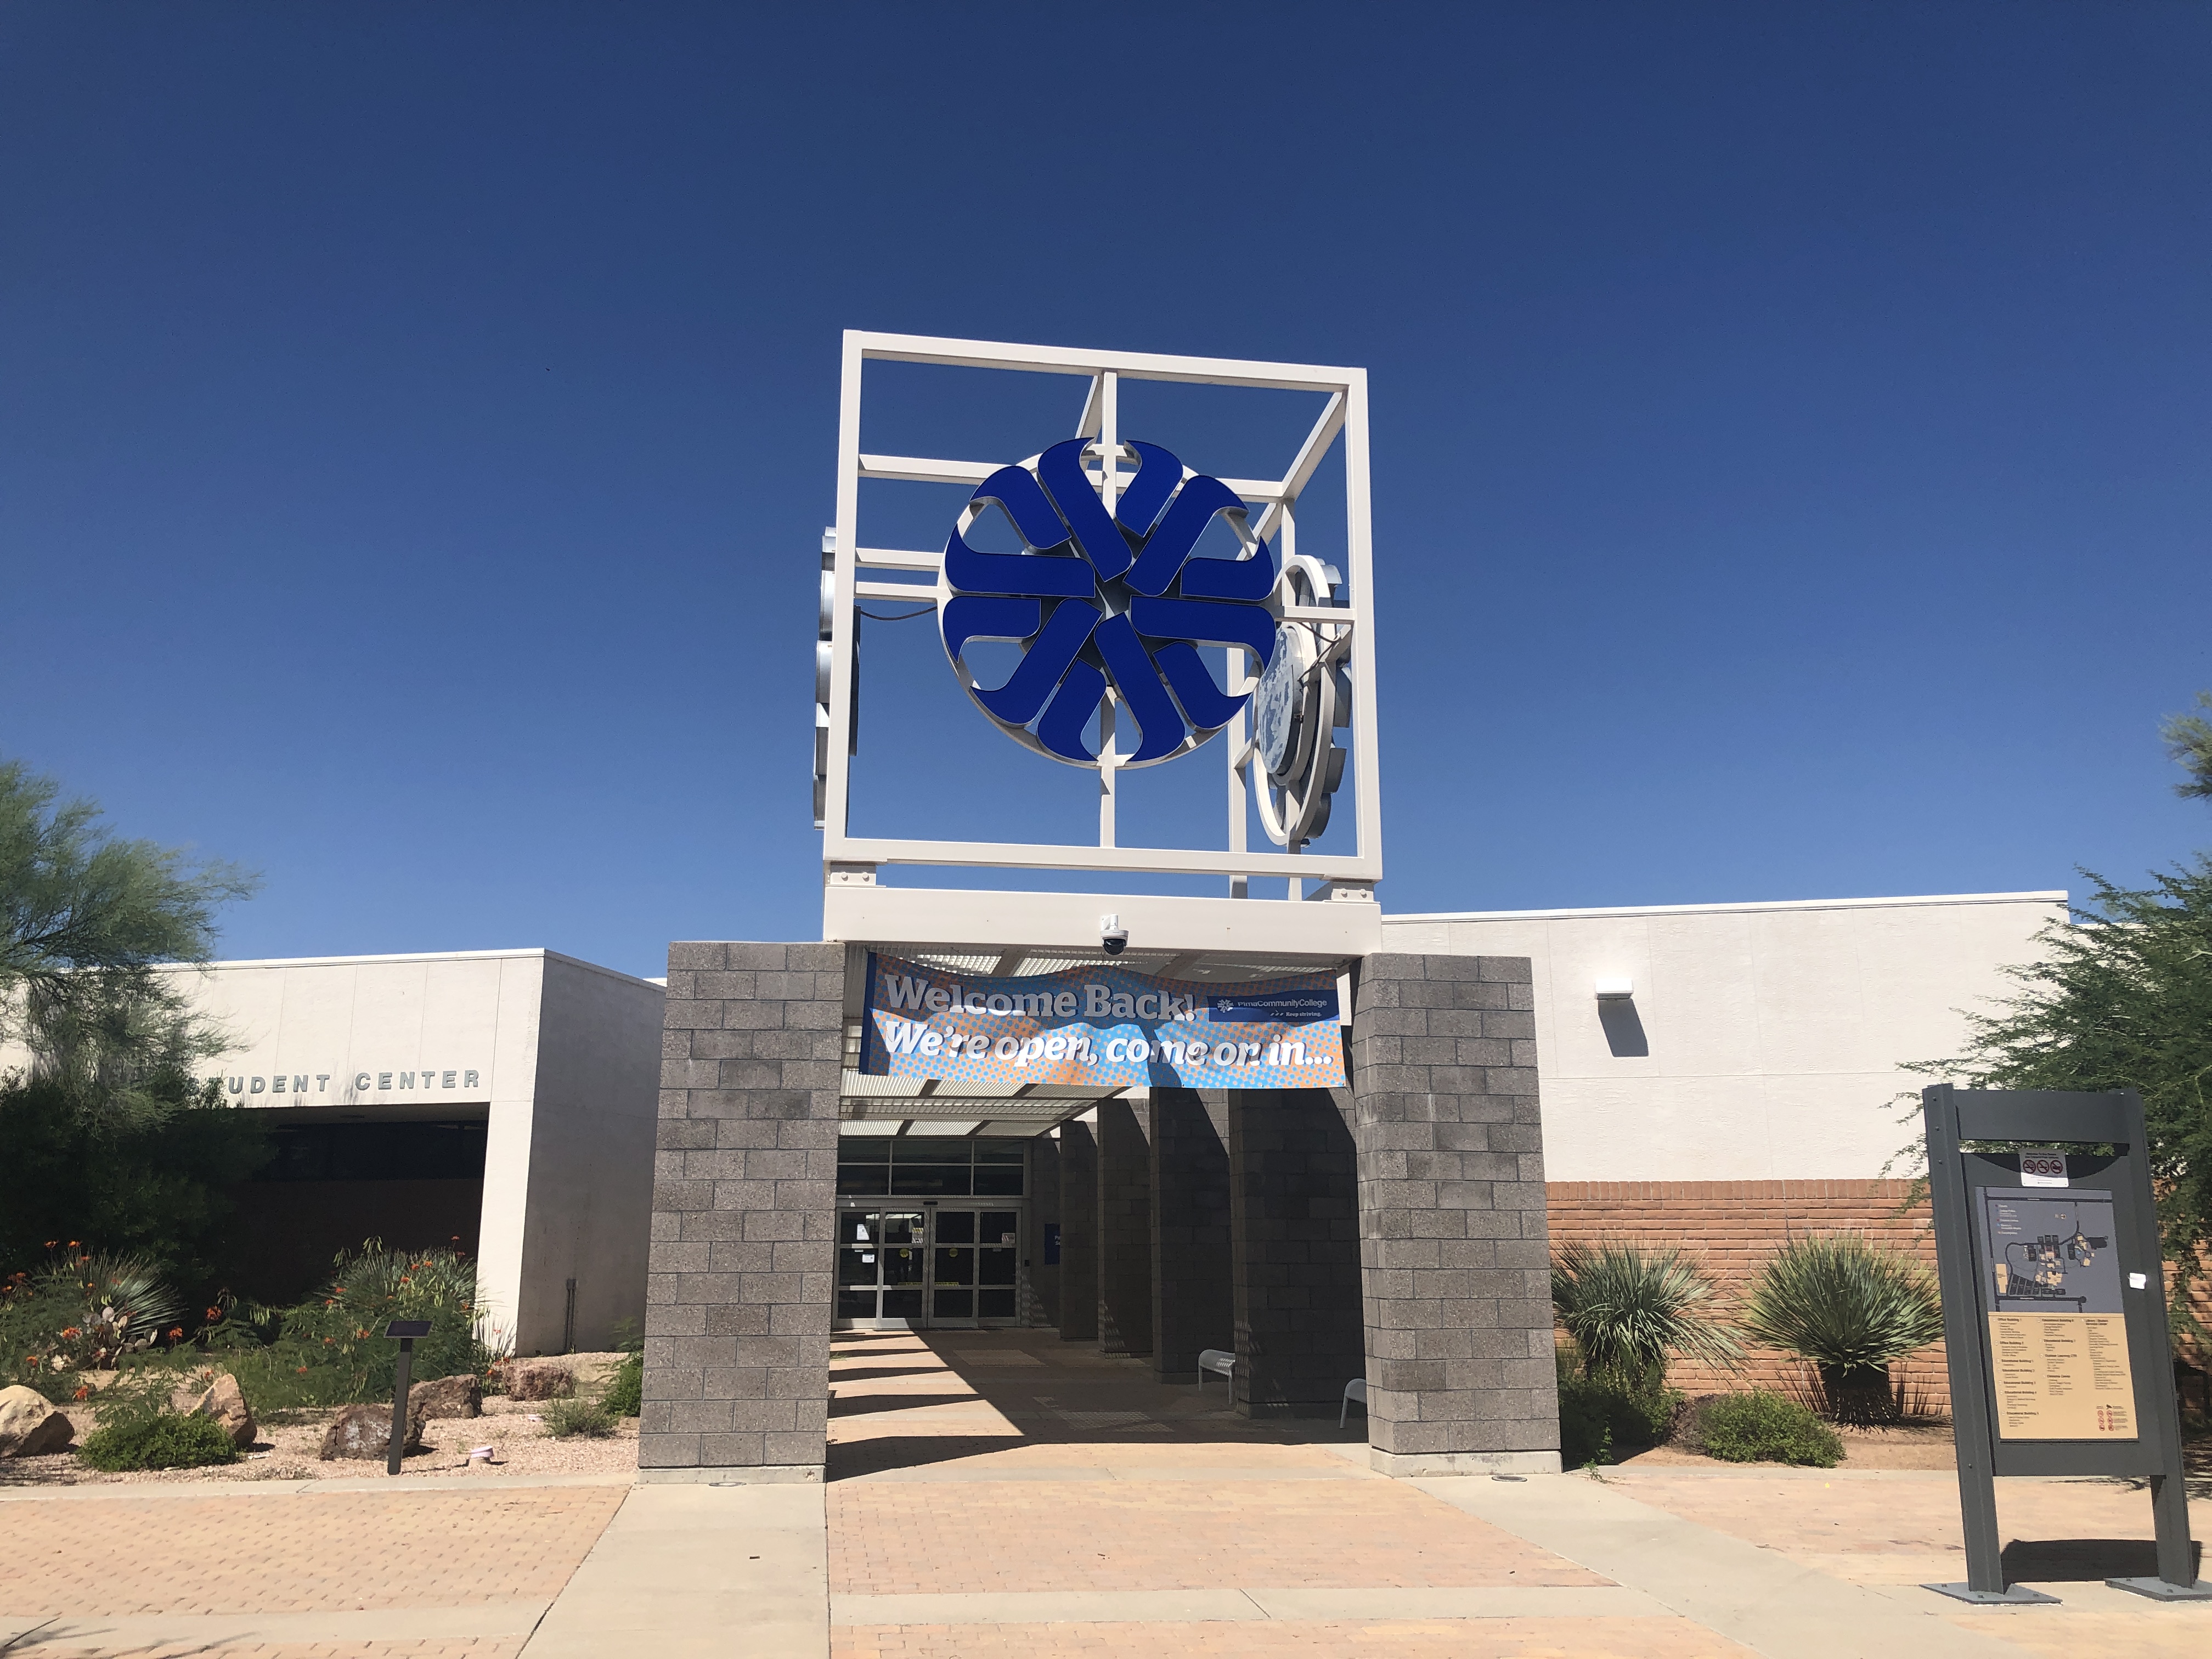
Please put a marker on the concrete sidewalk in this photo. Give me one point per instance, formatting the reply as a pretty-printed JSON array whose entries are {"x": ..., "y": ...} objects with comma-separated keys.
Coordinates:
[{"x": 683, "y": 1571}]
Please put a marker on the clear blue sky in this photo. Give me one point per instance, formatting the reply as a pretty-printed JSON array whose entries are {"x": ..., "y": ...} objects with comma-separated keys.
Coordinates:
[{"x": 416, "y": 421}]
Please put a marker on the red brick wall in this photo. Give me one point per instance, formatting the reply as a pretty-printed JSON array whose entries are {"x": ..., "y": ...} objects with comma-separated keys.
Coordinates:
[{"x": 1734, "y": 1226}]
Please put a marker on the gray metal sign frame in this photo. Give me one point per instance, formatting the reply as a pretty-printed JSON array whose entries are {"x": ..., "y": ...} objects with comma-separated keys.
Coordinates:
[{"x": 1954, "y": 1116}]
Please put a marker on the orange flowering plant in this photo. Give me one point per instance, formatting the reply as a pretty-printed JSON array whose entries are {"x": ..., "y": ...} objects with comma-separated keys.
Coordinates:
[
  {"x": 330, "y": 1347},
  {"x": 85, "y": 1311}
]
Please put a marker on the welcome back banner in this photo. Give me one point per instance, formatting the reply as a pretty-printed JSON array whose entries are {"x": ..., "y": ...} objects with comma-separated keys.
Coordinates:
[{"x": 1101, "y": 1027}]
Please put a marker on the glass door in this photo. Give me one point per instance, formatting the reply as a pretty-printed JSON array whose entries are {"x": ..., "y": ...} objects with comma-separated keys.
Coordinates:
[
  {"x": 880, "y": 1254},
  {"x": 940, "y": 1265},
  {"x": 998, "y": 1264},
  {"x": 975, "y": 1265}
]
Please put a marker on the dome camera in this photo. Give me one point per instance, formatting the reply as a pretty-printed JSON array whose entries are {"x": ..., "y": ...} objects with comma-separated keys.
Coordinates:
[{"x": 1112, "y": 935}]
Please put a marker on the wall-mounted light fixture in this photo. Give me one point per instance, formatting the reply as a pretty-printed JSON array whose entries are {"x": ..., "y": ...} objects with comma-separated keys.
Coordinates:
[{"x": 1623, "y": 1026}]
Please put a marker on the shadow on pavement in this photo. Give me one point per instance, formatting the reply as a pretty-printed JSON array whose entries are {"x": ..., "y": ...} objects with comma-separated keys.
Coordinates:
[{"x": 2083, "y": 1560}]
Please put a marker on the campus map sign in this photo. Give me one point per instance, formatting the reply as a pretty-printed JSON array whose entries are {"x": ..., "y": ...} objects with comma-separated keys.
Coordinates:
[
  {"x": 2054, "y": 1314},
  {"x": 2058, "y": 1338},
  {"x": 1100, "y": 1027}
]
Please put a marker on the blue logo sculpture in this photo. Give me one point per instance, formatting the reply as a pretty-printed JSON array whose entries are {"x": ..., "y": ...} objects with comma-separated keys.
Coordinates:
[{"x": 1098, "y": 597}]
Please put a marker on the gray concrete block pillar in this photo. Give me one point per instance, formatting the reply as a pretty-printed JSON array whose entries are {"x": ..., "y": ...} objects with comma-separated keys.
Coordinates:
[
  {"x": 1042, "y": 1276},
  {"x": 738, "y": 1290},
  {"x": 1294, "y": 1248},
  {"x": 1125, "y": 1228},
  {"x": 1193, "y": 1306},
  {"x": 1078, "y": 1233},
  {"x": 1454, "y": 1255}
]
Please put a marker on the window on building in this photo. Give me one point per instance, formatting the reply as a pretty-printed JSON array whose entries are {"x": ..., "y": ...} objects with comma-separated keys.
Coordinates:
[
  {"x": 874, "y": 1166},
  {"x": 376, "y": 1152}
]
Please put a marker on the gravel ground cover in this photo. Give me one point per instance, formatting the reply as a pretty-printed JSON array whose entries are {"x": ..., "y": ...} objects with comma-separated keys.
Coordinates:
[{"x": 288, "y": 1451}]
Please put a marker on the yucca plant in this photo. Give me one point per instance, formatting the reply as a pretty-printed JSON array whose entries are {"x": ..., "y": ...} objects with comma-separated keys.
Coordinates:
[
  {"x": 1628, "y": 1306},
  {"x": 1850, "y": 1308},
  {"x": 115, "y": 1303}
]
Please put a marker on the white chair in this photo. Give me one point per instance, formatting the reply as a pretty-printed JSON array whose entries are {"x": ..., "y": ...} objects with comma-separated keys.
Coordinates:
[
  {"x": 1218, "y": 1360},
  {"x": 1354, "y": 1390}
]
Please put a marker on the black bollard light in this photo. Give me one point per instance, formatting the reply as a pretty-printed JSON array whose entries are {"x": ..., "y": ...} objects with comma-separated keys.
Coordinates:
[{"x": 406, "y": 1330}]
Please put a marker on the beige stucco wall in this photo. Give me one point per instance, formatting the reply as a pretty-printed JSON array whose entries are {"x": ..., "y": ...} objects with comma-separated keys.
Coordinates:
[{"x": 1775, "y": 1031}]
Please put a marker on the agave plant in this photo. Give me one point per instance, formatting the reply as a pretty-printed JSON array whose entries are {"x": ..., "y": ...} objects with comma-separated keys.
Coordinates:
[
  {"x": 113, "y": 1304},
  {"x": 1850, "y": 1308},
  {"x": 1628, "y": 1306}
]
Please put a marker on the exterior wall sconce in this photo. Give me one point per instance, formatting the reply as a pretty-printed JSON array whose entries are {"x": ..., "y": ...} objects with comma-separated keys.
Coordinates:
[{"x": 1615, "y": 990}]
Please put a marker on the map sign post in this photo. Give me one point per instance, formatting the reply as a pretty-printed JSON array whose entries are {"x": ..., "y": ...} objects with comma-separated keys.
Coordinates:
[{"x": 2054, "y": 1315}]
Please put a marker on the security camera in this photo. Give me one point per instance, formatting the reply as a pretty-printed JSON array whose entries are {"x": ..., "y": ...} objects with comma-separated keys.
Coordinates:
[{"x": 1113, "y": 935}]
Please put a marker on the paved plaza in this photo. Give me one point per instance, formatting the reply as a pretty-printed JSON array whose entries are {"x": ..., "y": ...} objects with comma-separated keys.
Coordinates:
[{"x": 1005, "y": 1493}]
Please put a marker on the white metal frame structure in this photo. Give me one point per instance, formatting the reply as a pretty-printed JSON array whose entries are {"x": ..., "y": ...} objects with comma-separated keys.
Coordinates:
[{"x": 852, "y": 576}]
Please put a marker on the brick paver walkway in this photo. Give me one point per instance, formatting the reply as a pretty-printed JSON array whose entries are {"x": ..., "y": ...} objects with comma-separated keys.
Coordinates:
[
  {"x": 465, "y": 1646},
  {"x": 1010, "y": 1464},
  {"x": 1435, "y": 1638},
  {"x": 1904, "y": 1531},
  {"x": 1003, "y": 1469},
  {"x": 1003, "y": 1494},
  {"x": 303, "y": 1550}
]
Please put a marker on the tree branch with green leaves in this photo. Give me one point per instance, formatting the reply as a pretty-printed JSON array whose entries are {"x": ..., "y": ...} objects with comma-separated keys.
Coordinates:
[{"x": 89, "y": 926}]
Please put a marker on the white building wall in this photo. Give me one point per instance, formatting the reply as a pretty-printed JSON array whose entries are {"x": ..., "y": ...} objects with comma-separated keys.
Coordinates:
[
  {"x": 1774, "y": 1033},
  {"x": 588, "y": 1208},
  {"x": 570, "y": 1099}
]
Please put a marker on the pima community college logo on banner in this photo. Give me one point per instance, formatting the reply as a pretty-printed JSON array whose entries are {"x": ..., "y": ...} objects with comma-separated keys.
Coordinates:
[{"x": 1101, "y": 1027}]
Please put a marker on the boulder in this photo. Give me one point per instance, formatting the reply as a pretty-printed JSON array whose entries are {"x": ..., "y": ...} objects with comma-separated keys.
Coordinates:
[
  {"x": 447, "y": 1396},
  {"x": 537, "y": 1379},
  {"x": 29, "y": 1424},
  {"x": 226, "y": 1402},
  {"x": 365, "y": 1432}
]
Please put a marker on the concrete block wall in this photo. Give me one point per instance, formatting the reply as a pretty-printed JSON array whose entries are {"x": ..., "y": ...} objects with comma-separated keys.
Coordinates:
[
  {"x": 1453, "y": 1246},
  {"x": 1040, "y": 1278},
  {"x": 1078, "y": 1233},
  {"x": 1125, "y": 1228},
  {"x": 1194, "y": 1306},
  {"x": 738, "y": 1291},
  {"x": 1294, "y": 1221}
]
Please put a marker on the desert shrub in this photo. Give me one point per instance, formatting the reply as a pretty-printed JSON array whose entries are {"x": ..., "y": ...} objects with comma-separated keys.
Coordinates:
[
  {"x": 33, "y": 1350},
  {"x": 1760, "y": 1427},
  {"x": 624, "y": 1394},
  {"x": 82, "y": 1310},
  {"x": 1585, "y": 1425},
  {"x": 567, "y": 1418},
  {"x": 159, "y": 1181},
  {"x": 330, "y": 1349},
  {"x": 1850, "y": 1308},
  {"x": 1602, "y": 1412},
  {"x": 1628, "y": 1306},
  {"x": 166, "y": 1440}
]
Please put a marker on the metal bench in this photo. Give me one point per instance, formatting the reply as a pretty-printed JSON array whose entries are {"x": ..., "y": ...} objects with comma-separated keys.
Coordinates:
[
  {"x": 1218, "y": 1360},
  {"x": 1354, "y": 1390}
]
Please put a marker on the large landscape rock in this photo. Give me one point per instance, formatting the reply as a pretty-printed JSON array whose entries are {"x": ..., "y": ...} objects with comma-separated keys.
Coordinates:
[
  {"x": 447, "y": 1396},
  {"x": 537, "y": 1379},
  {"x": 29, "y": 1424},
  {"x": 226, "y": 1402},
  {"x": 366, "y": 1431}
]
